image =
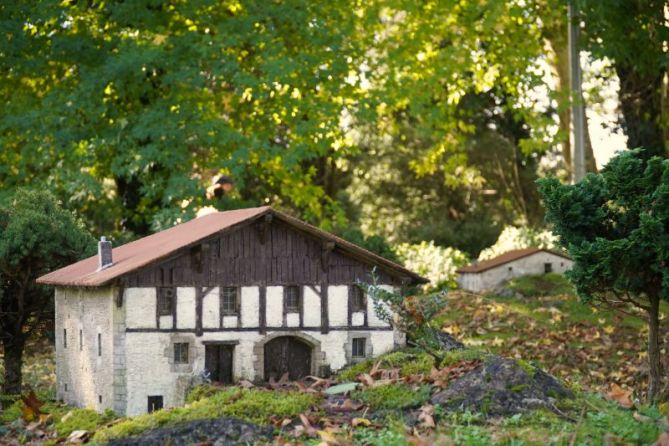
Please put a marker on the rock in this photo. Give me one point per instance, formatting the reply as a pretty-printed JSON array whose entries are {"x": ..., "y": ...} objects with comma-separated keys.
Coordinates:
[
  {"x": 447, "y": 342},
  {"x": 222, "y": 431},
  {"x": 502, "y": 386},
  {"x": 78, "y": 437}
]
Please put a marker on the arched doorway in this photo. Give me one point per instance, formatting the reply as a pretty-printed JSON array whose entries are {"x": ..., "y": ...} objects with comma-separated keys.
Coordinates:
[{"x": 287, "y": 354}]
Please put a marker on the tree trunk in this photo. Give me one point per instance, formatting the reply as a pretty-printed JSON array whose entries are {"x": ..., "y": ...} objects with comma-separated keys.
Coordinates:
[
  {"x": 640, "y": 98},
  {"x": 557, "y": 38},
  {"x": 655, "y": 368},
  {"x": 13, "y": 361}
]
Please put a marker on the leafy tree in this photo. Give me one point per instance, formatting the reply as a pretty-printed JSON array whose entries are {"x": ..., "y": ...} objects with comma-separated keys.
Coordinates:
[
  {"x": 126, "y": 109},
  {"x": 36, "y": 237},
  {"x": 615, "y": 226},
  {"x": 633, "y": 34}
]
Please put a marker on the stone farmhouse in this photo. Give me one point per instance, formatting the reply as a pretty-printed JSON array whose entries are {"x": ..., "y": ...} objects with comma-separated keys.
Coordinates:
[
  {"x": 520, "y": 262},
  {"x": 244, "y": 294}
]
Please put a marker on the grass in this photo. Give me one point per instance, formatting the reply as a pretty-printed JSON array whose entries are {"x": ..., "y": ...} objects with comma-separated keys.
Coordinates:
[{"x": 393, "y": 396}]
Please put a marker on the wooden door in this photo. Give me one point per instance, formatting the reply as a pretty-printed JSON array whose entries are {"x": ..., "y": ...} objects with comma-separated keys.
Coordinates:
[
  {"x": 218, "y": 362},
  {"x": 287, "y": 354}
]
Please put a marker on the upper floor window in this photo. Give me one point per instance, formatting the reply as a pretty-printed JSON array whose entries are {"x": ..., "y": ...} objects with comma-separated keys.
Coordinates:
[
  {"x": 229, "y": 300},
  {"x": 181, "y": 352},
  {"x": 166, "y": 299},
  {"x": 64, "y": 337},
  {"x": 291, "y": 299},
  {"x": 358, "y": 299}
]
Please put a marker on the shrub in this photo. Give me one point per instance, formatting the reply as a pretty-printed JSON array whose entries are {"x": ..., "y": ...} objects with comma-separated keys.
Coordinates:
[{"x": 436, "y": 263}]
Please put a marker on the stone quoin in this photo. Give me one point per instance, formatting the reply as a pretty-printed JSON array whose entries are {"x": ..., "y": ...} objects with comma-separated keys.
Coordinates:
[{"x": 244, "y": 294}]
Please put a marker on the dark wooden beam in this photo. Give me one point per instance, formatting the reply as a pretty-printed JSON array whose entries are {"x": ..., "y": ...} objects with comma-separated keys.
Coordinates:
[{"x": 262, "y": 310}]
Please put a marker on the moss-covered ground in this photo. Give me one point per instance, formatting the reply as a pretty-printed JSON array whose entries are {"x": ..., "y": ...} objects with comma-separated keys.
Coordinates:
[{"x": 544, "y": 324}]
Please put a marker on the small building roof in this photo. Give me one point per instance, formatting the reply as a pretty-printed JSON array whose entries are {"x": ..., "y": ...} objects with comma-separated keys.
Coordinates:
[
  {"x": 153, "y": 248},
  {"x": 507, "y": 257}
]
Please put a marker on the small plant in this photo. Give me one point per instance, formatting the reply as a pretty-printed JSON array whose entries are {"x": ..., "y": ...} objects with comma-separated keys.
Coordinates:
[{"x": 411, "y": 313}]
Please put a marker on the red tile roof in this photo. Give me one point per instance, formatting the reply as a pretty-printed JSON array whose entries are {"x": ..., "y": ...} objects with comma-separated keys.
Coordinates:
[
  {"x": 507, "y": 257},
  {"x": 148, "y": 250}
]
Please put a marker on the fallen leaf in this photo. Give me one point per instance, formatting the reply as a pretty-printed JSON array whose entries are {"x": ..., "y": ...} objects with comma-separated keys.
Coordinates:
[
  {"x": 620, "y": 395},
  {"x": 328, "y": 437},
  {"x": 355, "y": 422},
  {"x": 662, "y": 440}
]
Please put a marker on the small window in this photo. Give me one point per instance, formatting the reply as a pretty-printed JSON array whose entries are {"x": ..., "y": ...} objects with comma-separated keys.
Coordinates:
[
  {"x": 81, "y": 340},
  {"x": 229, "y": 300},
  {"x": 65, "y": 386},
  {"x": 100, "y": 399},
  {"x": 511, "y": 268},
  {"x": 548, "y": 267},
  {"x": 165, "y": 301},
  {"x": 358, "y": 348},
  {"x": 155, "y": 403},
  {"x": 65, "y": 338},
  {"x": 561, "y": 263},
  {"x": 99, "y": 344},
  {"x": 181, "y": 353},
  {"x": 358, "y": 299},
  {"x": 291, "y": 299}
]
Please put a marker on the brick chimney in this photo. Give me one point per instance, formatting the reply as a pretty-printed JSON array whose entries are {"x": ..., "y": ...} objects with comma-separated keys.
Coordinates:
[{"x": 104, "y": 253}]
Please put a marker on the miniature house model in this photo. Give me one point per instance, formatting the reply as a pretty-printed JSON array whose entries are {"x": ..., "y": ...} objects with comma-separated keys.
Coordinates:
[
  {"x": 519, "y": 262},
  {"x": 245, "y": 294}
]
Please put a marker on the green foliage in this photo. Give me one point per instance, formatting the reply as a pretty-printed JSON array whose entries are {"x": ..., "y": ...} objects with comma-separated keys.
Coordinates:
[
  {"x": 412, "y": 314},
  {"x": 393, "y": 396},
  {"x": 374, "y": 243},
  {"x": 384, "y": 437},
  {"x": 37, "y": 236},
  {"x": 541, "y": 285},
  {"x": 613, "y": 224},
  {"x": 253, "y": 405},
  {"x": 126, "y": 110},
  {"x": 433, "y": 262}
]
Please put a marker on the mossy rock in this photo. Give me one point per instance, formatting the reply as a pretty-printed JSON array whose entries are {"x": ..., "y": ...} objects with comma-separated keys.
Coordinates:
[{"x": 501, "y": 387}]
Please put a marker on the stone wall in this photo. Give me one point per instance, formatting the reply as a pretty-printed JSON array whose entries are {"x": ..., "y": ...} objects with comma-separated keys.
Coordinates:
[
  {"x": 531, "y": 264},
  {"x": 85, "y": 362}
]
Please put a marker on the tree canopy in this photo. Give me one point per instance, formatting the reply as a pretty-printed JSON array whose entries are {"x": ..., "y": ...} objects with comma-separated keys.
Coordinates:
[{"x": 36, "y": 237}]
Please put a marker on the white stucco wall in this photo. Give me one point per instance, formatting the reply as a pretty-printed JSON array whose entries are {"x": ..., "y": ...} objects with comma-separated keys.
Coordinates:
[
  {"x": 211, "y": 309},
  {"x": 274, "y": 305},
  {"x": 185, "y": 307},
  {"x": 338, "y": 305},
  {"x": 84, "y": 377},
  {"x": 141, "y": 310},
  {"x": 250, "y": 306},
  {"x": 312, "y": 306},
  {"x": 531, "y": 264}
]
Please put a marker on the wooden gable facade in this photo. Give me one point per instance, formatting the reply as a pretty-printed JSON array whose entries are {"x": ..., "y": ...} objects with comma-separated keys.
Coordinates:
[{"x": 261, "y": 253}]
